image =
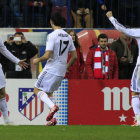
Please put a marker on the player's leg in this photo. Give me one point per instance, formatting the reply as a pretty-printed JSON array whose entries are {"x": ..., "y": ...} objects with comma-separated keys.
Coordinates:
[
  {"x": 53, "y": 121},
  {"x": 135, "y": 88},
  {"x": 43, "y": 97},
  {"x": 136, "y": 106},
  {"x": 3, "y": 105},
  {"x": 39, "y": 89}
]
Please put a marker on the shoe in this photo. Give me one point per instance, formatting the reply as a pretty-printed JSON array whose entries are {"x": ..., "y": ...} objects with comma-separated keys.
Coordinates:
[
  {"x": 135, "y": 124},
  {"x": 52, "y": 112},
  {"x": 52, "y": 122}
]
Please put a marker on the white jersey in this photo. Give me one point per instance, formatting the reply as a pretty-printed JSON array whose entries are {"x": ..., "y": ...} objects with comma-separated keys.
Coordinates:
[
  {"x": 135, "y": 33},
  {"x": 7, "y": 54},
  {"x": 60, "y": 43}
]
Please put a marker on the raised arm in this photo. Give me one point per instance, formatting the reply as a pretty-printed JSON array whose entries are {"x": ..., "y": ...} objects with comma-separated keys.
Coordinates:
[{"x": 121, "y": 28}]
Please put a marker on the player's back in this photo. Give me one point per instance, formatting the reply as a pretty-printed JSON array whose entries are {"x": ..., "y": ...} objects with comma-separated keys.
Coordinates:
[{"x": 60, "y": 43}]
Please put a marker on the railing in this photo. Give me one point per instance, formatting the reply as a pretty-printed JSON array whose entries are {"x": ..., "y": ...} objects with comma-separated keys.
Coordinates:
[{"x": 22, "y": 13}]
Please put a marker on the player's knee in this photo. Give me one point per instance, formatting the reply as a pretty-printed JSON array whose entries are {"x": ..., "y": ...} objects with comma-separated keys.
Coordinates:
[
  {"x": 50, "y": 94},
  {"x": 134, "y": 93},
  {"x": 36, "y": 91},
  {"x": 2, "y": 93}
]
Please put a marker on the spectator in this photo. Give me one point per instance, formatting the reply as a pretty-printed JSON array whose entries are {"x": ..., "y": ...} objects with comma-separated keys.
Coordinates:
[
  {"x": 75, "y": 71},
  {"x": 101, "y": 7},
  {"x": 37, "y": 13},
  {"x": 60, "y": 6},
  {"x": 101, "y": 61},
  {"x": 5, "y": 13},
  {"x": 127, "y": 51},
  {"x": 17, "y": 11},
  {"x": 22, "y": 49},
  {"x": 82, "y": 9}
]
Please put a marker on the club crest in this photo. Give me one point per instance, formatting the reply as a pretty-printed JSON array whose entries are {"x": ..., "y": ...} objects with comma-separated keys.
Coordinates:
[{"x": 29, "y": 105}]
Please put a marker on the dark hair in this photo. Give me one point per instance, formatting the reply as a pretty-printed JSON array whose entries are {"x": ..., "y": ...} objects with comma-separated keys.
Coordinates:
[
  {"x": 18, "y": 33},
  {"x": 58, "y": 20},
  {"x": 102, "y": 36},
  {"x": 76, "y": 43}
]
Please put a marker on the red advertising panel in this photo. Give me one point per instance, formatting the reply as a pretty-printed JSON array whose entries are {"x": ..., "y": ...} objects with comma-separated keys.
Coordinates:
[{"x": 99, "y": 102}]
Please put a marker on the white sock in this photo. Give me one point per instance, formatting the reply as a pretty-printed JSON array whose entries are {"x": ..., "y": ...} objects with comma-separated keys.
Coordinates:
[
  {"x": 136, "y": 105},
  {"x": 53, "y": 100},
  {"x": 4, "y": 109},
  {"x": 44, "y": 97}
]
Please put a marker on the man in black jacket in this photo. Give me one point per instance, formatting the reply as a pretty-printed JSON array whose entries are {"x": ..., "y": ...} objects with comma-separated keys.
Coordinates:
[
  {"x": 126, "y": 50},
  {"x": 22, "y": 49}
]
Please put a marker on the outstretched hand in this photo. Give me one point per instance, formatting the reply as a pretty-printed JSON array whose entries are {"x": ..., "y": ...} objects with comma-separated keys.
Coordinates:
[
  {"x": 109, "y": 14},
  {"x": 23, "y": 64}
]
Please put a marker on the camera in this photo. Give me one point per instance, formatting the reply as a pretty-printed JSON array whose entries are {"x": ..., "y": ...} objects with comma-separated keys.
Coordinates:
[{"x": 17, "y": 38}]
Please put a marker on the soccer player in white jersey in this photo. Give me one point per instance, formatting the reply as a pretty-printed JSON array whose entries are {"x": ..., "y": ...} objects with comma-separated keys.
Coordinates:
[
  {"x": 21, "y": 63},
  {"x": 59, "y": 43},
  {"x": 135, "y": 81}
]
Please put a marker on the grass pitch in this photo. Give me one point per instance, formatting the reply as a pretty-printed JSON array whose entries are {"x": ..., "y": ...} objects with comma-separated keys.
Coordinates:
[{"x": 80, "y": 132}]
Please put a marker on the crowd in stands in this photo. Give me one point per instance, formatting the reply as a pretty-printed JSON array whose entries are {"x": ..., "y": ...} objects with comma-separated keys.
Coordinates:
[
  {"x": 103, "y": 61},
  {"x": 78, "y": 13}
]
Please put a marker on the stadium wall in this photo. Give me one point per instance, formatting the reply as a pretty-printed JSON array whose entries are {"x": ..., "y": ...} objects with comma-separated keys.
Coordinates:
[
  {"x": 26, "y": 109},
  {"x": 81, "y": 102},
  {"x": 99, "y": 102}
]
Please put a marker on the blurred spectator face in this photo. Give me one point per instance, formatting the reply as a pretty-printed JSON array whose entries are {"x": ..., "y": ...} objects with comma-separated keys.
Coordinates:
[
  {"x": 126, "y": 38},
  {"x": 103, "y": 43},
  {"x": 72, "y": 34},
  {"x": 18, "y": 39}
]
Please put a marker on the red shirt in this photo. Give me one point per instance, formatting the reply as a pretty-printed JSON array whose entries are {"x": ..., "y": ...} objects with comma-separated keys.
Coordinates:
[{"x": 77, "y": 68}]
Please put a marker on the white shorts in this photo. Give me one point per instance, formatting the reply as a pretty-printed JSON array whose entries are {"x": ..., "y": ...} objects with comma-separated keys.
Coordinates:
[
  {"x": 48, "y": 82},
  {"x": 135, "y": 81},
  {"x": 2, "y": 78}
]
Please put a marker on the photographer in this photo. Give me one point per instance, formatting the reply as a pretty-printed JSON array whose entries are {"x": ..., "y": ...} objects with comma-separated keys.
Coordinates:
[{"x": 22, "y": 49}]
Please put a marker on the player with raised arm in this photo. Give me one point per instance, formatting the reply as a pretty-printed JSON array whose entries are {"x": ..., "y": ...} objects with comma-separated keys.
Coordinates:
[
  {"x": 135, "y": 81},
  {"x": 21, "y": 63},
  {"x": 59, "y": 43}
]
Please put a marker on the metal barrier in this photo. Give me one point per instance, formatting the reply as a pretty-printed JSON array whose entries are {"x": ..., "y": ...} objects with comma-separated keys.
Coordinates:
[{"x": 36, "y": 13}]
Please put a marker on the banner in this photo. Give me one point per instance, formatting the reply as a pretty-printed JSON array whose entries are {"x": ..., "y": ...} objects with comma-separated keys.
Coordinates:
[
  {"x": 99, "y": 102},
  {"x": 26, "y": 109}
]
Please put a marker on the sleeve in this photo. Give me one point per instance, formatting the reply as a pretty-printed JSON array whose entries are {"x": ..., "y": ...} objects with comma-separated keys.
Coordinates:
[
  {"x": 50, "y": 43},
  {"x": 121, "y": 28},
  {"x": 89, "y": 64},
  {"x": 7, "y": 54},
  {"x": 72, "y": 47}
]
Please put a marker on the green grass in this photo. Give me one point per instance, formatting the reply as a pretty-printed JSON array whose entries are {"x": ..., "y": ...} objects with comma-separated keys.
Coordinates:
[{"x": 81, "y": 132}]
